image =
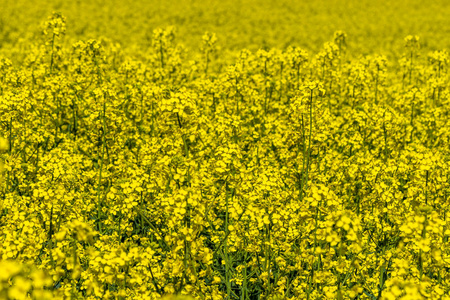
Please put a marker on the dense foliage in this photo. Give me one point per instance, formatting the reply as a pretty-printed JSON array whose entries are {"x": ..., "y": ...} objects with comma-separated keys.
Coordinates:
[{"x": 268, "y": 174}]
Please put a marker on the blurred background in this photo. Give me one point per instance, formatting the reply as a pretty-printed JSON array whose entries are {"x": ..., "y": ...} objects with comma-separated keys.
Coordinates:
[{"x": 372, "y": 26}]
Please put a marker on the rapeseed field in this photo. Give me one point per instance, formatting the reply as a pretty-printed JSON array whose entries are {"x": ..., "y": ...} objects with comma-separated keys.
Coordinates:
[{"x": 224, "y": 150}]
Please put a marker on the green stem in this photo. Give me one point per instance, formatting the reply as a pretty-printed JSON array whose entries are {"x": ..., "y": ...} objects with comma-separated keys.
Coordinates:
[
  {"x": 225, "y": 253},
  {"x": 309, "y": 139},
  {"x": 51, "y": 57},
  {"x": 100, "y": 170}
]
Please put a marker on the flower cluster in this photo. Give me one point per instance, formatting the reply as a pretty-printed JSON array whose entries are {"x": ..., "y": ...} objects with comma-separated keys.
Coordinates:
[{"x": 272, "y": 174}]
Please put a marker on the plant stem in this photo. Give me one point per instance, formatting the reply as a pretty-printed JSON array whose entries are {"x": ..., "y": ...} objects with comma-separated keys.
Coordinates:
[{"x": 100, "y": 170}]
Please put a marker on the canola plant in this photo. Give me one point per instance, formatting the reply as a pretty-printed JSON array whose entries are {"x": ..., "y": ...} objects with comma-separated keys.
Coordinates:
[{"x": 134, "y": 172}]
